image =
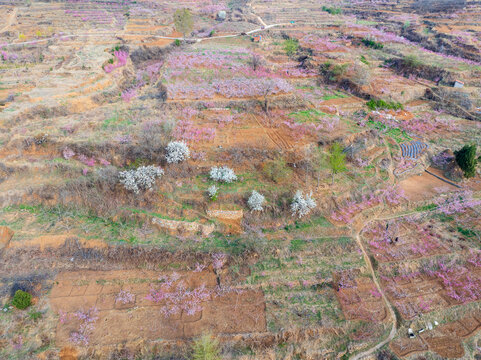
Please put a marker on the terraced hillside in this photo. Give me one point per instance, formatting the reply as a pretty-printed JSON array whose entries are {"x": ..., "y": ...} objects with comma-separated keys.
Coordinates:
[{"x": 251, "y": 180}]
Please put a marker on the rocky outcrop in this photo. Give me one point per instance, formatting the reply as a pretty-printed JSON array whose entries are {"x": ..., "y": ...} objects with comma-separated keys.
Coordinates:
[{"x": 183, "y": 227}]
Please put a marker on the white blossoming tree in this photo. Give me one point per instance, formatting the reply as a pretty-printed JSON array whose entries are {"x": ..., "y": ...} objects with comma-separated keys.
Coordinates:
[
  {"x": 142, "y": 178},
  {"x": 256, "y": 201},
  {"x": 222, "y": 174},
  {"x": 177, "y": 151},
  {"x": 301, "y": 204}
]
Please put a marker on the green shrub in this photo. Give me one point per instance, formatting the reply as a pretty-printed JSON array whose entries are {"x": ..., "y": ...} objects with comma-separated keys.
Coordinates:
[
  {"x": 21, "y": 299},
  {"x": 466, "y": 159},
  {"x": 333, "y": 72},
  {"x": 177, "y": 42},
  {"x": 291, "y": 46},
  {"x": 412, "y": 61},
  {"x": 332, "y": 10},
  {"x": 34, "y": 315},
  {"x": 277, "y": 170},
  {"x": 381, "y": 104},
  {"x": 372, "y": 44},
  {"x": 469, "y": 233},
  {"x": 206, "y": 348},
  {"x": 339, "y": 70}
]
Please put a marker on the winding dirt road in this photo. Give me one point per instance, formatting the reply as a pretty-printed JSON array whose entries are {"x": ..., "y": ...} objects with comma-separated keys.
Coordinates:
[{"x": 392, "y": 334}]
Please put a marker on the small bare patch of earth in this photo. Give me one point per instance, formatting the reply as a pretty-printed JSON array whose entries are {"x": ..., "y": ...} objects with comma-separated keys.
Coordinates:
[{"x": 422, "y": 187}]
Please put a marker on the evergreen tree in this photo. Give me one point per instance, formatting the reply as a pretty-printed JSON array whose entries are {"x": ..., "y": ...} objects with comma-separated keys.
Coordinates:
[{"x": 466, "y": 159}]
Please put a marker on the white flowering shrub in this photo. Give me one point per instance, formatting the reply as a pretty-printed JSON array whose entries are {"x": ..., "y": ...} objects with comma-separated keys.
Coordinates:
[
  {"x": 222, "y": 174},
  {"x": 141, "y": 178},
  {"x": 212, "y": 192},
  {"x": 256, "y": 201},
  {"x": 301, "y": 204},
  {"x": 177, "y": 151}
]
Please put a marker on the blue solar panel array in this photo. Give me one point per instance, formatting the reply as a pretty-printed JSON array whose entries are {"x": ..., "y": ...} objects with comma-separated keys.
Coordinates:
[{"x": 413, "y": 149}]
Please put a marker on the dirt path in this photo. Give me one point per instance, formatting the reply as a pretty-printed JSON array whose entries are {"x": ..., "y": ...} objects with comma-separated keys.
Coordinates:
[
  {"x": 262, "y": 28},
  {"x": 120, "y": 34},
  {"x": 9, "y": 20},
  {"x": 393, "y": 331}
]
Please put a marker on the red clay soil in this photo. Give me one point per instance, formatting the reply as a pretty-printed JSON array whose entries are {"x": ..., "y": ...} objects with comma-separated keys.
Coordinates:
[
  {"x": 358, "y": 298},
  {"x": 141, "y": 319},
  {"x": 423, "y": 294},
  {"x": 408, "y": 246},
  {"x": 422, "y": 187}
]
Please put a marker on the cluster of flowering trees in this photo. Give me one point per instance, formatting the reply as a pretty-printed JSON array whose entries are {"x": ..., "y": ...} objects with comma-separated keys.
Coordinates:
[
  {"x": 144, "y": 76},
  {"x": 99, "y": 12},
  {"x": 87, "y": 324},
  {"x": 186, "y": 130},
  {"x": 457, "y": 202},
  {"x": 319, "y": 43},
  {"x": 8, "y": 57},
  {"x": 420, "y": 125},
  {"x": 176, "y": 297},
  {"x": 383, "y": 237},
  {"x": 68, "y": 154},
  {"x": 120, "y": 60},
  {"x": 388, "y": 37},
  {"x": 232, "y": 59},
  {"x": 405, "y": 18},
  {"x": 229, "y": 88},
  {"x": 212, "y": 8},
  {"x": 128, "y": 95},
  {"x": 392, "y": 195},
  {"x": 376, "y": 34},
  {"x": 459, "y": 283}
]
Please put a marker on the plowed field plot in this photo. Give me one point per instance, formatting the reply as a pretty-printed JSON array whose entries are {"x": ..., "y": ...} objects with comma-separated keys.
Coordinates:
[
  {"x": 123, "y": 308},
  {"x": 404, "y": 242},
  {"x": 446, "y": 340},
  {"x": 421, "y": 293},
  {"x": 359, "y": 297}
]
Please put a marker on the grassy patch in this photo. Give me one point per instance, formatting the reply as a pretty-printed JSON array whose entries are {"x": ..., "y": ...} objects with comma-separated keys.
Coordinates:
[
  {"x": 469, "y": 233},
  {"x": 312, "y": 115},
  {"x": 397, "y": 134},
  {"x": 161, "y": 216},
  {"x": 381, "y": 105},
  {"x": 93, "y": 225},
  {"x": 317, "y": 221},
  {"x": 426, "y": 207}
]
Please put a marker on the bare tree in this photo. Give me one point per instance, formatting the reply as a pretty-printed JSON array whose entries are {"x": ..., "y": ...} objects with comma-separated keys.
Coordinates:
[{"x": 255, "y": 62}]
